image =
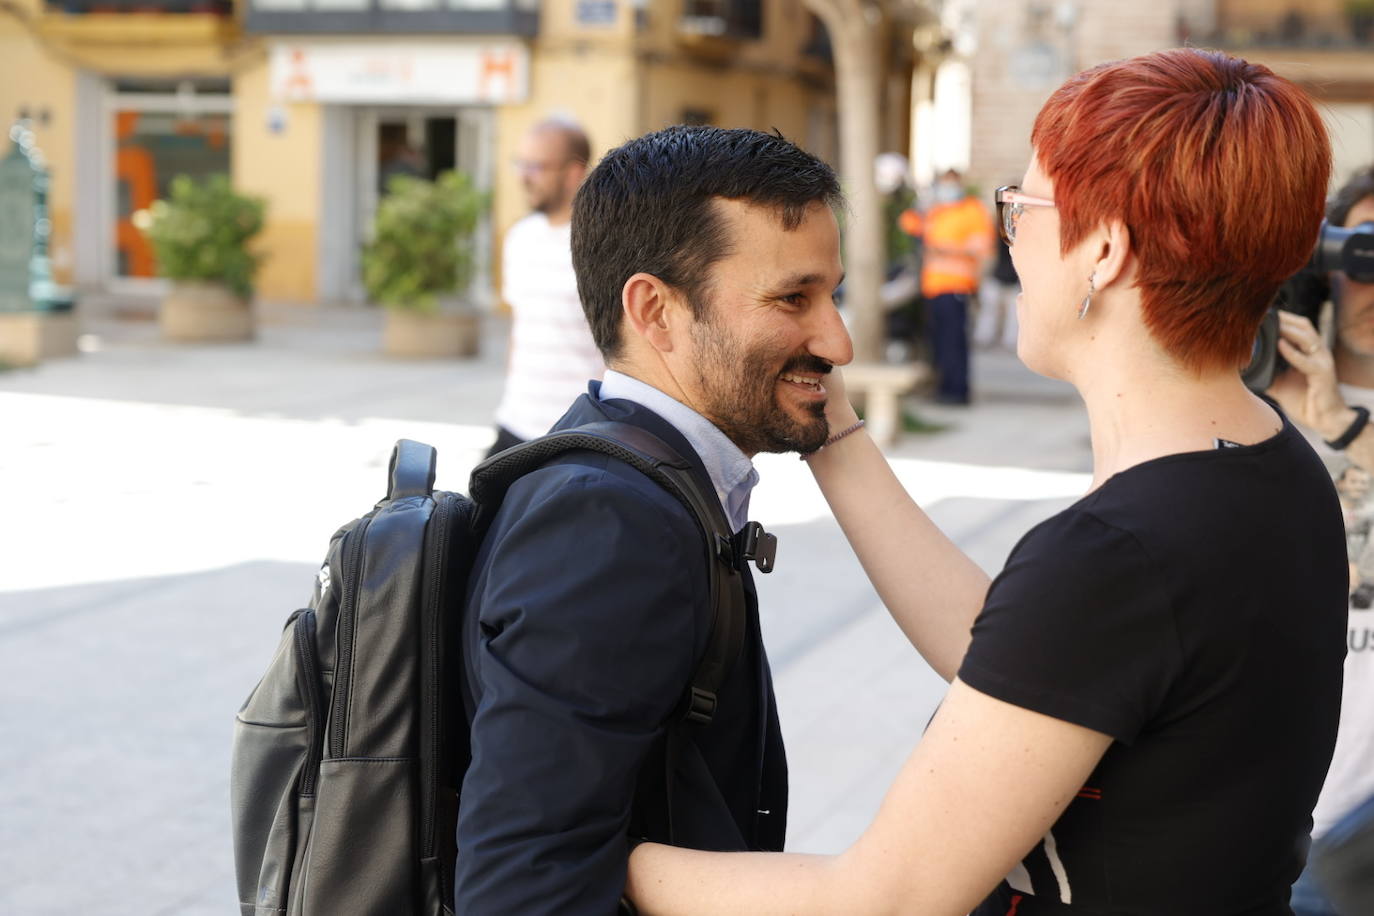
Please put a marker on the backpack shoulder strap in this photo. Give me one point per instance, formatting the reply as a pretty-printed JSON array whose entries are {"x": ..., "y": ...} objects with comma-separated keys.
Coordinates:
[{"x": 655, "y": 459}]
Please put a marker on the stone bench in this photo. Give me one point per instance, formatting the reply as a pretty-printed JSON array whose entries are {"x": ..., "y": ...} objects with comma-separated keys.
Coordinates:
[
  {"x": 31, "y": 336},
  {"x": 877, "y": 388}
]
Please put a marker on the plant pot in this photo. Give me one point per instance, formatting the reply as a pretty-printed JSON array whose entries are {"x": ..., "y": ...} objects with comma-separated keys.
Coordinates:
[
  {"x": 205, "y": 312},
  {"x": 31, "y": 336},
  {"x": 445, "y": 334}
]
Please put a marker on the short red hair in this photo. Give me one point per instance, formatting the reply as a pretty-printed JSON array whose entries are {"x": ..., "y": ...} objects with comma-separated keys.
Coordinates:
[{"x": 1218, "y": 168}]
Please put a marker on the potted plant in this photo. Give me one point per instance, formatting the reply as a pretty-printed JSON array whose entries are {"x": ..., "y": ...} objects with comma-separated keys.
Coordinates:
[
  {"x": 200, "y": 236},
  {"x": 420, "y": 262}
]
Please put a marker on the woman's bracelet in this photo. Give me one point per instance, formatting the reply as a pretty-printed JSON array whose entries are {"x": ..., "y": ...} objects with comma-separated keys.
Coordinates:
[
  {"x": 1354, "y": 429},
  {"x": 835, "y": 438}
]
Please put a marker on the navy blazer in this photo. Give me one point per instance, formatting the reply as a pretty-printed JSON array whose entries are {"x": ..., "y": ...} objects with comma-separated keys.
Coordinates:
[{"x": 587, "y": 611}]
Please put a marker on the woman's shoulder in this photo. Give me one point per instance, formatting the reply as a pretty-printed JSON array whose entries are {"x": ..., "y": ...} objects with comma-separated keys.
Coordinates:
[
  {"x": 1084, "y": 545},
  {"x": 1224, "y": 485}
]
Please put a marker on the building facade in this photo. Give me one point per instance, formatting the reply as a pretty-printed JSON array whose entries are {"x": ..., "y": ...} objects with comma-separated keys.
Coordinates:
[
  {"x": 1012, "y": 55},
  {"x": 1325, "y": 46},
  {"x": 312, "y": 104}
]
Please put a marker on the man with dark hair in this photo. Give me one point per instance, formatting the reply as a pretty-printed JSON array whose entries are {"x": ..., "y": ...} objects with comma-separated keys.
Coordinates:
[
  {"x": 706, "y": 260},
  {"x": 551, "y": 352},
  {"x": 1330, "y": 391}
]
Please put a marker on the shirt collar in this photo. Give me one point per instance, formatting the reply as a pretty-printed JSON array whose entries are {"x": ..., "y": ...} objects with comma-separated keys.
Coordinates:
[{"x": 732, "y": 473}]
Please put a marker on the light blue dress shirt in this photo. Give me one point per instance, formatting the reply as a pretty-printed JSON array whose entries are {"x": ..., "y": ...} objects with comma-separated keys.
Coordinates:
[{"x": 731, "y": 472}]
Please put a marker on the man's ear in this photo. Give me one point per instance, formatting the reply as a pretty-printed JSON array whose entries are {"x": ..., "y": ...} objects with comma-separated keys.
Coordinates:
[{"x": 648, "y": 303}]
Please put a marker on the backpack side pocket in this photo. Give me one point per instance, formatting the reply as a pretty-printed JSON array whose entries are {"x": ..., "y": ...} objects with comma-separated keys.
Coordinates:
[{"x": 278, "y": 735}]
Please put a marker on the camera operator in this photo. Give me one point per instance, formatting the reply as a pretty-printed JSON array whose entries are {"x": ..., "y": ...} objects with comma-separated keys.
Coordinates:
[{"x": 1330, "y": 392}]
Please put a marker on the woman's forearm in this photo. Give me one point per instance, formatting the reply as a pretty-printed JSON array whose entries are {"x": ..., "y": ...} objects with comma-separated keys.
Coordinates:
[
  {"x": 695, "y": 883},
  {"x": 931, "y": 587},
  {"x": 985, "y": 783}
]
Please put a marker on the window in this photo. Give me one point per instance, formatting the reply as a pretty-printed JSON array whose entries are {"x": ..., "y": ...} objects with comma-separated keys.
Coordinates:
[{"x": 724, "y": 18}]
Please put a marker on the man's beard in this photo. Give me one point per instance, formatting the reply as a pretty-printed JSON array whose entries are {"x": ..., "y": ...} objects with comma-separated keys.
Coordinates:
[
  {"x": 740, "y": 388},
  {"x": 547, "y": 202}
]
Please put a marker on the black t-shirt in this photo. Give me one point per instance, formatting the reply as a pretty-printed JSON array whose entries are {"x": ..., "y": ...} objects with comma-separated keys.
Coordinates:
[{"x": 1193, "y": 608}]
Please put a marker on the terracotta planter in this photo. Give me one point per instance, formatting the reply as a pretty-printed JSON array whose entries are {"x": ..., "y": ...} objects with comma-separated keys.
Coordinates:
[
  {"x": 205, "y": 312},
  {"x": 445, "y": 334}
]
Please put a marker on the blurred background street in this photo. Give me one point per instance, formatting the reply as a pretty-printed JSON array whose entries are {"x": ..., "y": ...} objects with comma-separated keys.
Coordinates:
[
  {"x": 167, "y": 506},
  {"x": 245, "y": 245}
]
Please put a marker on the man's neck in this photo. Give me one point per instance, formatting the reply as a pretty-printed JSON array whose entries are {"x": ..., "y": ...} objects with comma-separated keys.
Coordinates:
[
  {"x": 1354, "y": 368},
  {"x": 653, "y": 376},
  {"x": 559, "y": 217}
]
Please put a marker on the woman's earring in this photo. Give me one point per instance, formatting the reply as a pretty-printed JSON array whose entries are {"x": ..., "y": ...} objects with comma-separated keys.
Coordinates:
[{"x": 1088, "y": 299}]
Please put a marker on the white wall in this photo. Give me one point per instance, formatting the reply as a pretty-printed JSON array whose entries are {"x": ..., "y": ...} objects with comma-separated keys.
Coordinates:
[{"x": 1351, "y": 126}]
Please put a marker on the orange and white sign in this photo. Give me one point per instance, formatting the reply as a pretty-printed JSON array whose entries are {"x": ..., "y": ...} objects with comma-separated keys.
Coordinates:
[{"x": 359, "y": 73}]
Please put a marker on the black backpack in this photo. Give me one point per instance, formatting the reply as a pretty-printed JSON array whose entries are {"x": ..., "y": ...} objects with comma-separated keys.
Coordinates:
[{"x": 349, "y": 754}]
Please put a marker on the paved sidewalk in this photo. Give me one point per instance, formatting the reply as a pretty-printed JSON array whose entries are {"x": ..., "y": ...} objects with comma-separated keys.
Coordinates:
[{"x": 166, "y": 507}]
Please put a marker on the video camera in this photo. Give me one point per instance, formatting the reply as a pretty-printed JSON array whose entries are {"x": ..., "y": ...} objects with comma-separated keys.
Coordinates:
[{"x": 1350, "y": 251}]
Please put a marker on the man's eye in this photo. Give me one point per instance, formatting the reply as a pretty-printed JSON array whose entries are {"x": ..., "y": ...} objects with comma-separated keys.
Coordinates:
[{"x": 797, "y": 299}]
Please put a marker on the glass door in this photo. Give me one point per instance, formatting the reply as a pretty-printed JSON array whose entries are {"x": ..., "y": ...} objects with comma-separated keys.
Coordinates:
[
  {"x": 393, "y": 141},
  {"x": 158, "y": 135}
]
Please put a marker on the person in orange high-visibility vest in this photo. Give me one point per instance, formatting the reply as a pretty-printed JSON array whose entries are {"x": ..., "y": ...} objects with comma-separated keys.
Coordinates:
[{"x": 958, "y": 237}]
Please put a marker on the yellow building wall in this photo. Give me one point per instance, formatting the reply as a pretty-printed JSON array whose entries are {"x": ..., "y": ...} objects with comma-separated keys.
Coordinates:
[
  {"x": 32, "y": 80},
  {"x": 1242, "y": 17},
  {"x": 618, "y": 79},
  {"x": 786, "y": 31},
  {"x": 558, "y": 23},
  {"x": 284, "y": 168},
  {"x": 764, "y": 84},
  {"x": 731, "y": 99},
  {"x": 142, "y": 44},
  {"x": 40, "y": 53},
  {"x": 622, "y": 79}
]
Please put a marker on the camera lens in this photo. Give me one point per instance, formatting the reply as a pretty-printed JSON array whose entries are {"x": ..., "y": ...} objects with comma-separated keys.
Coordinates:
[{"x": 1350, "y": 251}]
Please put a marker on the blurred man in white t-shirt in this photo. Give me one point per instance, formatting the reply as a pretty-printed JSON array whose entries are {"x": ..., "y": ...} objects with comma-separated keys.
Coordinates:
[{"x": 552, "y": 355}]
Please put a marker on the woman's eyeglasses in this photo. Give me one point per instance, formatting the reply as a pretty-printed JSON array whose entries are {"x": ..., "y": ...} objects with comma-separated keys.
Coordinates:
[{"x": 1011, "y": 203}]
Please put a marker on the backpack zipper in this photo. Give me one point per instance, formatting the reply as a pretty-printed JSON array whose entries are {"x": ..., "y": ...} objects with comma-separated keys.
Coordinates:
[
  {"x": 305, "y": 654},
  {"x": 433, "y": 615},
  {"x": 343, "y": 666}
]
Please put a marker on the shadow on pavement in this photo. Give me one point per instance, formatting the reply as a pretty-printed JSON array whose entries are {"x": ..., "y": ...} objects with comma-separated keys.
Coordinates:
[{"x": 122, "y": 697}]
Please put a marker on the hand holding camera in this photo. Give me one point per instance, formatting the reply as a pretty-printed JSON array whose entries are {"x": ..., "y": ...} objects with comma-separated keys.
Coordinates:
[
  {"x": 1308, "y": 391},
  {"x": 1349, "y": 251}
]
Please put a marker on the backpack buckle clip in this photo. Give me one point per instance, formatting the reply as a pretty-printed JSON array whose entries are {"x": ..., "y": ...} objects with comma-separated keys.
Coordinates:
[
  {"x": 701, "y": 706},
  {"x": 753, "y": 543}
]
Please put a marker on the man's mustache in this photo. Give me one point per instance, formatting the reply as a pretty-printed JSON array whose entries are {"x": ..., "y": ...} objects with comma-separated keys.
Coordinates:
[{"x": 807, "y": 363}]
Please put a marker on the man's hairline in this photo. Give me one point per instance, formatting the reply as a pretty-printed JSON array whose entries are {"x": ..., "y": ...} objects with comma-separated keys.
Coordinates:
[{"x": 565, "y": 131}]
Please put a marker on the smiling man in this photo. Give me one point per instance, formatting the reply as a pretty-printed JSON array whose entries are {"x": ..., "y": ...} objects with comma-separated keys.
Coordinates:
[{"x": 706, "y": 262}]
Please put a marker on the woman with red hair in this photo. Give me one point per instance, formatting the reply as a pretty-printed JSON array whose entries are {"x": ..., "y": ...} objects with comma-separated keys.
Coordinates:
[{"x": 1144, "y": 701}]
